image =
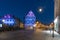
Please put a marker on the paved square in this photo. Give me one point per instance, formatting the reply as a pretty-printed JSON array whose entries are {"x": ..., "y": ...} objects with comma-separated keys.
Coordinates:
[{"x": 28, "y": 35}]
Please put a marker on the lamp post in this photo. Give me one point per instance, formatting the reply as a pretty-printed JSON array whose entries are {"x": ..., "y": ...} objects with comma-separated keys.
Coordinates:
[{"x": 40, "y": 9}]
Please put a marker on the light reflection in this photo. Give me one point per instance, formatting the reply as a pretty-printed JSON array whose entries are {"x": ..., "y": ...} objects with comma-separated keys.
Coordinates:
[{"x": 50, "y": 32}]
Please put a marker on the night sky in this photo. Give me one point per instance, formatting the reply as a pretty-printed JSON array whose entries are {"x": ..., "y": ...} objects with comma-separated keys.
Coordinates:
[{"x": 20, "y": 8}]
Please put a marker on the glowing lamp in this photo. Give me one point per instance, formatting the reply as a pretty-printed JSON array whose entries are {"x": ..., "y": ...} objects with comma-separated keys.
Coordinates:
[{"x": 3, "y": 20}]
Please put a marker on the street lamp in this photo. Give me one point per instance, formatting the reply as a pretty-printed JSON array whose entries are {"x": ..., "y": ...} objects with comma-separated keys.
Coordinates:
[
  {"x": 40, "y": 9},
  {"x": 3, "y": 20}
]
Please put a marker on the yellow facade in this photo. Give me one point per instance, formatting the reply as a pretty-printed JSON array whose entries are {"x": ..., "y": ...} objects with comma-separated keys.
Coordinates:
[
  {"x": 39, "y": 25},
  {"x": 21, "y": 25}
]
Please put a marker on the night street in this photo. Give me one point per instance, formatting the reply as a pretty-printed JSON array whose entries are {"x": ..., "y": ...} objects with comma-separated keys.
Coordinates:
[
  {"x": 29, "y": 19},
  {"x": 27, "y": 35}
]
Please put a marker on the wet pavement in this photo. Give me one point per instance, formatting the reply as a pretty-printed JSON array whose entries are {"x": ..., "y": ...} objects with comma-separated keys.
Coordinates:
[{"x": 27, "y": 35}]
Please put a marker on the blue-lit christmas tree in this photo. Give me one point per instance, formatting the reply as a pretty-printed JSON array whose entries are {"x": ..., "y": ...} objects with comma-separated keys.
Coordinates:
[{"x": 30, "y": 19}]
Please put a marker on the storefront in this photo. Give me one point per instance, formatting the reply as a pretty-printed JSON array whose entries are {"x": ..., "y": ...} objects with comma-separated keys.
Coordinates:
[{"x": 56, "y": 24}]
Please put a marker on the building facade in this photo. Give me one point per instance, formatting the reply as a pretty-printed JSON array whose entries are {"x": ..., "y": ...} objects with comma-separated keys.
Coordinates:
[
  {"x": 30, "y": 20},
  {"x": 8, "y": 20},
  {"x": 57, "y": 15}
]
